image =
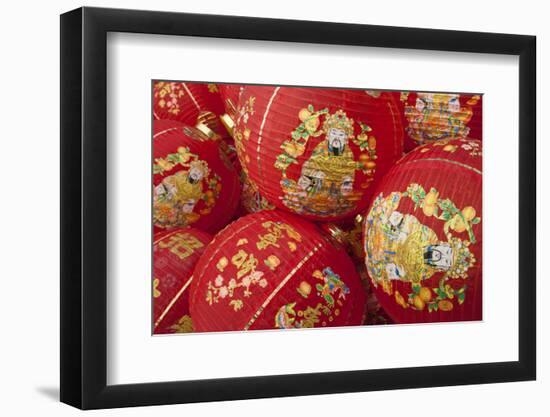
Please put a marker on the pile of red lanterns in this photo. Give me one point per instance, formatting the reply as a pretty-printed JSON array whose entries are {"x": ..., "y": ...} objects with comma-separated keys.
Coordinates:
[{"x": 285, "y": 207}]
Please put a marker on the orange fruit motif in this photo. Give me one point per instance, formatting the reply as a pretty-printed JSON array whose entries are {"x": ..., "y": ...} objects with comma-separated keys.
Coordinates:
[
  {"x": 469, "y": 213},
  {"x": 445, "y": 305},
  {"x": 425, "y": 294},
  {"x": 428, "y": 210},
  {"x": 418, "y": 303}
]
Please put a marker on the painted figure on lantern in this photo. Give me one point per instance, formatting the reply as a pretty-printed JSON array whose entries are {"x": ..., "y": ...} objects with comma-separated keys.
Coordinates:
[
  {"x": 332, "y": 284},
  {"x": 326, "y": 183},
  {"x": 438, "y": 116},
  {"x": 399, "y": 247},
  {"x": 175, "y": 199}
]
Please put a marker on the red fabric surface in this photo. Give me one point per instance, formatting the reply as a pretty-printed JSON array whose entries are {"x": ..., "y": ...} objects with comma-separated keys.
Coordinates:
[
  {"x": 274, "y": 270},
  {"x": 175, "y": 254},
  {"x": 424, "y": 224},
  {"x": 194, "y": 181},
  {"x": 295, "y": 147}
]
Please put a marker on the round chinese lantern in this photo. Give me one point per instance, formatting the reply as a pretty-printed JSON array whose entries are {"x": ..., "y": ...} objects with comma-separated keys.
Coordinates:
[
  {"x": 194, "y": 104},
  {"x": 317, "y": 152},
  {"x": 194, "y": 181},
  {"x": 175, "y": 254},
  {"x": 423, "y": 235},
  {"x": 431, "y": 117},
  {"x": 273, "y": 270}
]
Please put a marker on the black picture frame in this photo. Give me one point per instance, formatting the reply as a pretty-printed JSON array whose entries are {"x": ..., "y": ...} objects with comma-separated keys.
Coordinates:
[{"x": 84, "y": 207}]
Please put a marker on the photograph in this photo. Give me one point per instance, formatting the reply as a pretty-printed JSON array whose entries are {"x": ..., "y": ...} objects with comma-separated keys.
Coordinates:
[
  {"x": 283, "y": 207},
  {"x": 279, "y": 209}
]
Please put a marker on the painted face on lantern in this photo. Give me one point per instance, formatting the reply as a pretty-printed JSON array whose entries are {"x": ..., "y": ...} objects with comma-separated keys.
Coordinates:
[
  {"x": 347, "y": 186},
  {"x": 166, "y": 189},
  {"x": 311, "y": 181},
  {"x": 195, "y": 175},
  {"x": 188, "y": 206},
  {"x": 454, "y": 104},
  {"x": 304, "y": 182},
  {"x": 396, "y": 218},
  {"x": 337, "y": 140},
  {"x": 439, "y": 256},
  {"x": 160, "y": 190}
]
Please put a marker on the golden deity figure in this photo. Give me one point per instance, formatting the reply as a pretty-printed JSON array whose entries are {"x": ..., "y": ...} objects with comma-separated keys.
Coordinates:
[
  {"x": 326, "y": 182},
  {"x": 187, "y": 186},
  {"x": 399, "y": 247},
  {"x": 182, "y": 191}
]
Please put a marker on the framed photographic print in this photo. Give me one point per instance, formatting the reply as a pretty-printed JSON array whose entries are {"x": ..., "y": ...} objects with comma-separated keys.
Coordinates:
[{"x": 258, "y": 208}]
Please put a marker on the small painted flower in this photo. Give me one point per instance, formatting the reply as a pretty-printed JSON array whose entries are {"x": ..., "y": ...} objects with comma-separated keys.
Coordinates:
[{"x": 224, "y": 292}]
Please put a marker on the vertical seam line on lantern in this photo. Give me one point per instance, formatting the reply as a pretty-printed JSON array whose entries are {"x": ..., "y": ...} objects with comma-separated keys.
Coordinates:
[
  {"x": 281, "y": 285},
  {"x": 164, "y": 131},
  {"x": 477, "y": 171},
  {"x": 267, "y": 109},
  {"x": 191, "y": 96},
  {"x": 173, "y": 301},
  {"x": 220, "y": 245}
]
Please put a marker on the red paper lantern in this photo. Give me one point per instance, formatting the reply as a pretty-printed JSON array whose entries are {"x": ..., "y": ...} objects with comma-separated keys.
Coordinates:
[
  {"x": 272, "y": 270},
  {"x": 175, "y": 254},
  {"x": 423, "y": 235},
  {"x": 317, "y": 152},
  {"x": 431, "y": 117},
  {"x": 194, "y": 181}
]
